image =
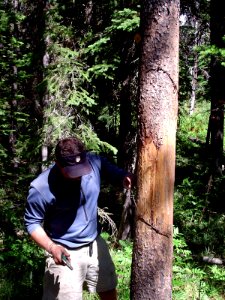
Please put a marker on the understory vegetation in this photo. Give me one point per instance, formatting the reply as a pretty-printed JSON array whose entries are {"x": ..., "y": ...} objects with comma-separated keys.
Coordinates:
[{"x": 199, "y": 231}]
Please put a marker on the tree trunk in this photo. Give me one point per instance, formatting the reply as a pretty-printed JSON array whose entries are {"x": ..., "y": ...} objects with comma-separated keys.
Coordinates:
[
  {"x": 13, "y": 100},
  {"x": 217, "y": 79},
  {"x": 152, "y": 253},
  {"x": 194, "y": 73},
  {"x": 127, "y": 218},
  {"x": 127, "y": 150}
]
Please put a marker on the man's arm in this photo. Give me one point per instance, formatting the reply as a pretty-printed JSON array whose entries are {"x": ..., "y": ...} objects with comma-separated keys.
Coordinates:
[
  {"x": 34, "y": 217},
  {"x": 116, "y": 175},
  {"x": 43, "y": 240}
]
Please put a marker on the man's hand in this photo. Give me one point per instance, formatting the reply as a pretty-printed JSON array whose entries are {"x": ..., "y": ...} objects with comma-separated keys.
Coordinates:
[
  {"x": 128, "y": 181},
  {"x": 57, "y": 251},
  {"x": 41, "y": 238}
]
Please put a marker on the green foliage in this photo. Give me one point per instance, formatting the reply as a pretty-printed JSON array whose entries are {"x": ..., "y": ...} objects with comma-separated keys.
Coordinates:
[
  {"x": 103, "y": 69},
  {"x": 185, "y": 278},
  {"x": 191, "y": 136},
  {"x": 21, "y": 271},
  {"x": 192, "y": 126},
  {"x": 14, "y": 64},
  {"x": 122, "y": 257},
  {"x": 21, "y": 261},
  {"x": 69, "y": 82},
  {"x": 69, "y": 101},
  {"x": 203, "y": 229},
  {"x": 97, "y": 46},
  {"x": 206, "y": 52},
  {"x": 199, "y": 229},
  {"x": 111, "y": 120},
  {"x": 106, "y": 53},
  {"x": 56, "y": 30},
  {"x": 92, "y": 141},
  {"x": 125, "y": 20},
  {"x": 193, "y": 280}
]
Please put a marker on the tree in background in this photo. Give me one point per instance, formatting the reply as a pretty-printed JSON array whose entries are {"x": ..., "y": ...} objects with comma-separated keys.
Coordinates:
[
  {"x": 194, "y": 70},
  {"x": 217, "y": 90},
  {"x": 152, "y": 253}
]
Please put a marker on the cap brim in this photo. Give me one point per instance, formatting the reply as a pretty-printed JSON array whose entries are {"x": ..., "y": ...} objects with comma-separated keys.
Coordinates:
[{"x": 77, "y": 170}]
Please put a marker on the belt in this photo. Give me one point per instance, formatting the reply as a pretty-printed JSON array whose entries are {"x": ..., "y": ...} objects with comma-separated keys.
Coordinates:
[{"x": 90, "y": 245}]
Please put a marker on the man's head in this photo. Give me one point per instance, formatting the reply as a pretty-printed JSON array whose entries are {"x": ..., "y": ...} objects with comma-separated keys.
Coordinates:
[{"x": 71, "y": 158}]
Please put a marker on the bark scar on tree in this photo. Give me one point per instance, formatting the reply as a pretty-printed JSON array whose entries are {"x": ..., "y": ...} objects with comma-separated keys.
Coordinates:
[
  {"x": 154, "y": 228},
  {"x": 171, "y": 79}
]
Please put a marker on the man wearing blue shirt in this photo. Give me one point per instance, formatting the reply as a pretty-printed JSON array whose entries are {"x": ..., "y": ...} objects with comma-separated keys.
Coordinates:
[{"x": 61, "y": 217}]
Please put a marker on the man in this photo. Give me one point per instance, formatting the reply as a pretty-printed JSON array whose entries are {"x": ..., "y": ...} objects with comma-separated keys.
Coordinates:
[{"x": 61, "y": 217}]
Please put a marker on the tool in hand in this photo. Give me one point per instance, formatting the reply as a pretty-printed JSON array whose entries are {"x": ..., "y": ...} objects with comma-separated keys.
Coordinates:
[{"x": 66, "y": 262}]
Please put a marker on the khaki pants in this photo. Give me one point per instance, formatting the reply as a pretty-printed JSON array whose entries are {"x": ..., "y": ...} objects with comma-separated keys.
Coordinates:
[{"x": 97, "y": 272}]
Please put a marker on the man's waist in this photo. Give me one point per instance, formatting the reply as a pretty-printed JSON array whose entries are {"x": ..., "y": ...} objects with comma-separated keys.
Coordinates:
[
  {"x": 76, "y": 247},
  {"x": 87, "y": 245},
  {"x": 75, "y": 243}
]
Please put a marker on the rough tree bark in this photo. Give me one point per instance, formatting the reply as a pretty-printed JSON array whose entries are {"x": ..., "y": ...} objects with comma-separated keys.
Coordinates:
[{"x": 152, "y": 253}]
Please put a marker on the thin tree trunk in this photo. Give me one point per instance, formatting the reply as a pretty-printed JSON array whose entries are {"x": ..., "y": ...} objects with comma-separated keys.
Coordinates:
[{"x": 194, "y": 73}]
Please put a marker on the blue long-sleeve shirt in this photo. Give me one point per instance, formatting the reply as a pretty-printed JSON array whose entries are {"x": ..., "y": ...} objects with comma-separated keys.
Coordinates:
[{"x": 68, "y": 209}]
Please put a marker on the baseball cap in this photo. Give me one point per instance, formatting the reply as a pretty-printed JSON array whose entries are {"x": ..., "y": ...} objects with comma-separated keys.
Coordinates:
[{"x": 72, "y": 158}]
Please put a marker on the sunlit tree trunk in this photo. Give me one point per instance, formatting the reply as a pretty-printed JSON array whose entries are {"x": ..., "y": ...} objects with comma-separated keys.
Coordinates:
[
  {"x": 152, "y": 253},
  {"x": 194, "y": 73}
]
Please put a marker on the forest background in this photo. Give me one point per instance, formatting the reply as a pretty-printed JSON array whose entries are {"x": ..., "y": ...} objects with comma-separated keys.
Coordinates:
[{"x": 71, "y": 67}]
